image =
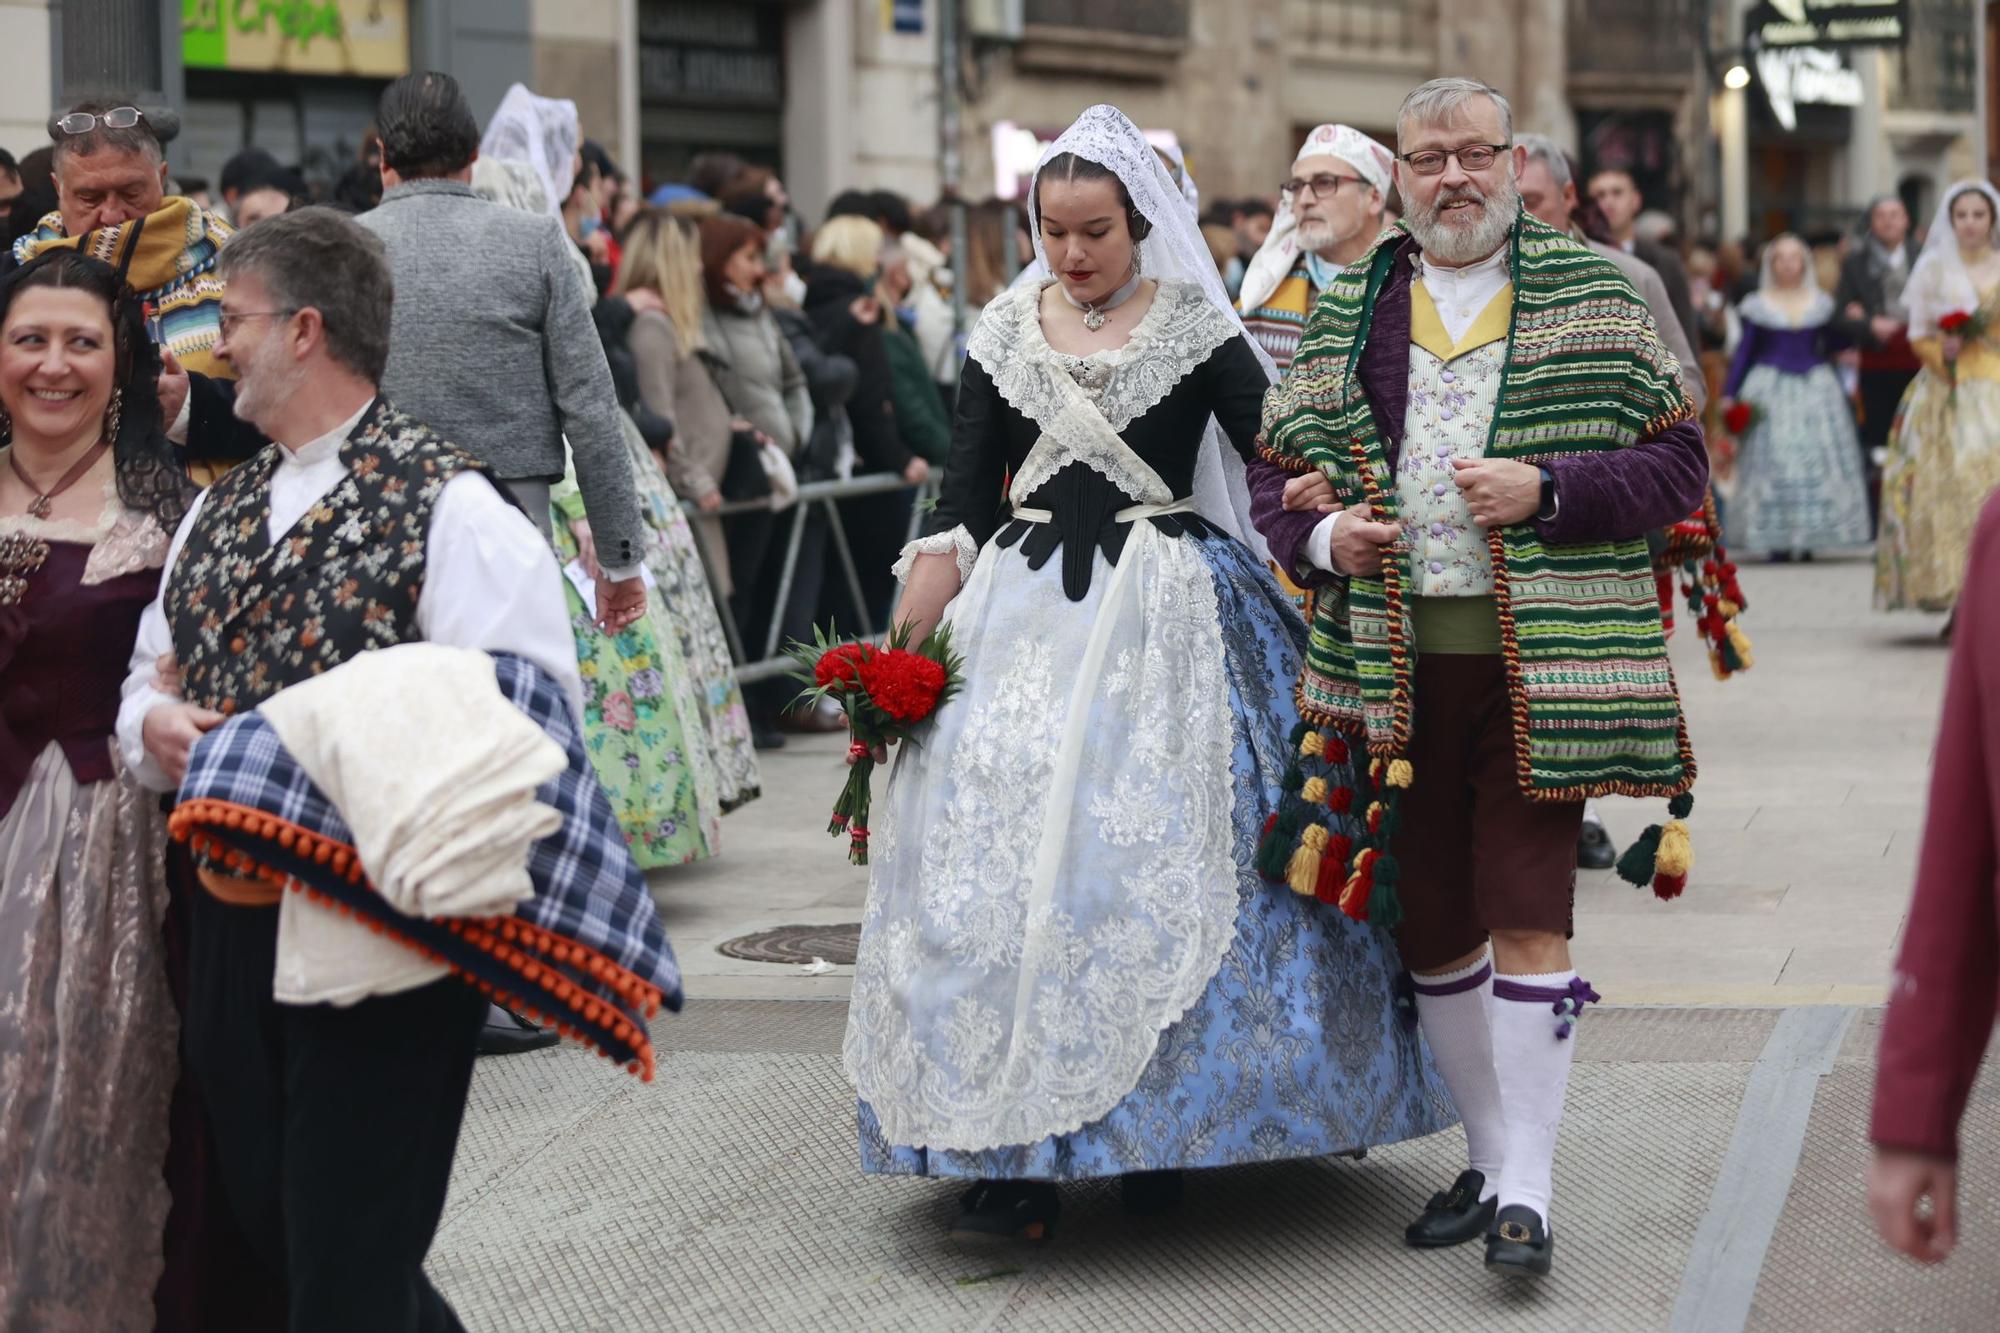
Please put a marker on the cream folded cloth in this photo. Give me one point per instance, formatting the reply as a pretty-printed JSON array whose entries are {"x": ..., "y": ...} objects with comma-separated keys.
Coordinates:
[{"x": 435, "y": 773}]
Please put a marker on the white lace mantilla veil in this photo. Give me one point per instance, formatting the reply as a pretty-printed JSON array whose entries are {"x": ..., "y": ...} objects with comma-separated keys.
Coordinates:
[
  {"x": 1762, "y": 307},
  {"x": 540, "y": 131},
  {"x": 1174, "y": 251},
  {"x": 1939, "y": 283}
]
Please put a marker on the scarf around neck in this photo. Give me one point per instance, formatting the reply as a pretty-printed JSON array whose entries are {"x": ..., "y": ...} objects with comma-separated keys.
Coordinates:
[{"x": 169, "y": 258}]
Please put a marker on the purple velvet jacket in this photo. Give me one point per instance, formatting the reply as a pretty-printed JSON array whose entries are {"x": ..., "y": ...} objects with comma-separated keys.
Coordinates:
[{"x": 1599, "y": 496}]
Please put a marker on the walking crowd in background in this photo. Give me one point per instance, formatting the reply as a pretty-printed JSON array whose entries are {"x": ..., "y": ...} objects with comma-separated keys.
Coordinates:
[{"x": 645, "y": 385}]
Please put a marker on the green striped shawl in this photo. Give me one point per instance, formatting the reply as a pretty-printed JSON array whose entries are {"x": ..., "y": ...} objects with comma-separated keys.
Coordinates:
[{"x": 1594, "y": 702}]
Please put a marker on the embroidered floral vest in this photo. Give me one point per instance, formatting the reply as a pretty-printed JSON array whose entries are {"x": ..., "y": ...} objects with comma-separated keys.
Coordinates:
[{"x": 250, "y": 616}]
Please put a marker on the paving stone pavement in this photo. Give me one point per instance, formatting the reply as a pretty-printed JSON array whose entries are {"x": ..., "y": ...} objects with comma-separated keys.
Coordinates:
[{"x": 1710, "y": 1173}]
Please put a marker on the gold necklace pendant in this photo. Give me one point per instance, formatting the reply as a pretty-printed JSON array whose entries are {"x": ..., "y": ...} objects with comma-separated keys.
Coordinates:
[{"x": 40, "y": 506}]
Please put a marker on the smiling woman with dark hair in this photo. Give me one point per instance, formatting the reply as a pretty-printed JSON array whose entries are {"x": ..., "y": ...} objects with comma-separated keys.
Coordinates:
[{"x": 89, "y": 493}]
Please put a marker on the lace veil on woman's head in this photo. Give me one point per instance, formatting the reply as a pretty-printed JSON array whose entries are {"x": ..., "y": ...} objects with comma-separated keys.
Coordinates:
[
  {"x": 1940, "y": 283},
  {"x": 540, "y": 131},
  {"x": 1173, "y": 250}
]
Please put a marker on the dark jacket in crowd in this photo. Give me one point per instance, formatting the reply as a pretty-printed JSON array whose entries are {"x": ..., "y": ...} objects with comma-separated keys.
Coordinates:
[
  {"x": 871, "y": 410},
  {"x": 1674, "y": 276},
  {"x": 919, "y": 407},
  {"x": 830, "y": 380}
]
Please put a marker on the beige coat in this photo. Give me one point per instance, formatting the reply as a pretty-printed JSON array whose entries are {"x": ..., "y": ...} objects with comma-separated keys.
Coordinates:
[{"x": 680, "y": 389}]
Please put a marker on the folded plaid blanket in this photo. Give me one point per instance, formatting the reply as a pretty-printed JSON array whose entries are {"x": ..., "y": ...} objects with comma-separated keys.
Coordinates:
[{"x": 586, "y": 953}]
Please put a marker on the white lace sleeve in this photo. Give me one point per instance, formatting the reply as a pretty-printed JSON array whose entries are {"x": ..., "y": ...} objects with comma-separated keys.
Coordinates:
[{"x": 956, "y": 542}]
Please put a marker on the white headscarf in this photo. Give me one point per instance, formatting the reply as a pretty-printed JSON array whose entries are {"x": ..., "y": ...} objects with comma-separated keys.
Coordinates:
[
  {"x": 1769, "y": 305},
  {"x": 1173, "y": 250},
  {"x": 1279, "y": 254},
  {"x": 1939, "y": 283},
  {"x": 540, "y": 131},
  {"x": 1178, "y": 168}
]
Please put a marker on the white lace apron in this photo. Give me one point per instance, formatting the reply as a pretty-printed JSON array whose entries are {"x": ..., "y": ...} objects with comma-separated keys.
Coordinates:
[{"x": 1054, "y": 878}]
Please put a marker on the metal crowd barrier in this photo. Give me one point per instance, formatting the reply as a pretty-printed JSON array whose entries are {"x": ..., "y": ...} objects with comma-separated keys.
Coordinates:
[{"x": 828, "y": 494}]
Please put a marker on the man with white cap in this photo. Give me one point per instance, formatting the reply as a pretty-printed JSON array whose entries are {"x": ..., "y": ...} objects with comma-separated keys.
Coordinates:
[{"x": 1329, "y": 211}]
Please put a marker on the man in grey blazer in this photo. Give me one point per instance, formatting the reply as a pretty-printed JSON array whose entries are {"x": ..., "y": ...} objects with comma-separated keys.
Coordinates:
[{"x": 491, "y": 341}]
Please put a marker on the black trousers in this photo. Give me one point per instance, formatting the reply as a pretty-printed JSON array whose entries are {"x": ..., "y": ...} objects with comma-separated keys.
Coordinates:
[{"x": 334, "y": 1127}]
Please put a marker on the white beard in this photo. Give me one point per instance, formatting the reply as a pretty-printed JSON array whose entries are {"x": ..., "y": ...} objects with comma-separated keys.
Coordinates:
[
  {"x": 1316, "y": 236},
  {"x": 1462, "y": 243}
]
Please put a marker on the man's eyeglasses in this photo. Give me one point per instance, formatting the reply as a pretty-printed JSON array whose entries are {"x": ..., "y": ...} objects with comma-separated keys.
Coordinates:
[
  {"x": 1472, "y": 157},
  {"x": 1326, "y": 183},
  {"x": 117, "y": 118},
  {"x": 231, "y": 318}
]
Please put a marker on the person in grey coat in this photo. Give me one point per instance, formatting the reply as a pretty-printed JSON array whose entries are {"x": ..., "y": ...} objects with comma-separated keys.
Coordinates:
[{"x": 491, "y": 340}]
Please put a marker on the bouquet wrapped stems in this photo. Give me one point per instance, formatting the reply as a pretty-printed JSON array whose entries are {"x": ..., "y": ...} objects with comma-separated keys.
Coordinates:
[{"x": 887, "y": 694}]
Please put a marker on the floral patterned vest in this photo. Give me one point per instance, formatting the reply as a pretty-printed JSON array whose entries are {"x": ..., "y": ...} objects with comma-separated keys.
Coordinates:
[{"x": 250, "y": 616}]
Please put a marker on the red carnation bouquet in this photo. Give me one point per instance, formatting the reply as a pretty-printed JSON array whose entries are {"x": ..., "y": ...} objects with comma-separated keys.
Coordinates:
[
  {"x": 1965, "y": 325},
  {"x": 1740, "y": 417},
  {"x": 887, "y": 693}
]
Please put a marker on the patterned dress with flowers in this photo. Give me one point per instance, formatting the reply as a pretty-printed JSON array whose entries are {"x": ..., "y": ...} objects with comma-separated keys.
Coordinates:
[{"x": 641, "y": 725}]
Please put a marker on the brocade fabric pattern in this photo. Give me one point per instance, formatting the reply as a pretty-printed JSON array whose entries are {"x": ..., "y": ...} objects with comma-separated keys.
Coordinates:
[
  {"x": 347, "y": 574},
  {"x": 87, "y": 1027}
]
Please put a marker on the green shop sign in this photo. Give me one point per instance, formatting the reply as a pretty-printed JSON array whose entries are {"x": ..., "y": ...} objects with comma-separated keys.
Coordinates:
[{"x": 365, "y": 37}]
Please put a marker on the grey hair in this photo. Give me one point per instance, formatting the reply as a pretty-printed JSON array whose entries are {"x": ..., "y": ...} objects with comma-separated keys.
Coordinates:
[
  {"x": 320, "y": 259},
  {"x": 1437, "y": 100},
  {"x": 147, "y": 138},
  {"x": 1541, "y": 148}
]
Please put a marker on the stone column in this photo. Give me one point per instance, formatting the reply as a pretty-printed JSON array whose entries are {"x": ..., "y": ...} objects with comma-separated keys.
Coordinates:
[{"x": 1541, "y": 93}]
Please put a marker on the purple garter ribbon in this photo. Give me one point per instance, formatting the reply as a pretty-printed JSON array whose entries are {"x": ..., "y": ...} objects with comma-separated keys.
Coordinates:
[{"x": 1566, "y": 1002}]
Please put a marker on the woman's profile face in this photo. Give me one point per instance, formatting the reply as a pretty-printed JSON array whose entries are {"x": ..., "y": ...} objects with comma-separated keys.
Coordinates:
[
  {"x": 1972, "y": 220},
  {"x": 1086, "y": 236},
  {"x": 744, "y": 269},
  {"x": 57, "y": 364}
]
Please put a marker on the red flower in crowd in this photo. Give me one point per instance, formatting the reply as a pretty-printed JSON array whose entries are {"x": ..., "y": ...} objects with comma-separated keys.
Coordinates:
[
  {"x": 903, "y": 684},
  {"x": 1954, "y": 322},
  {"x": 840, "y": 667},
  {"x": 1738, "y": 418}
]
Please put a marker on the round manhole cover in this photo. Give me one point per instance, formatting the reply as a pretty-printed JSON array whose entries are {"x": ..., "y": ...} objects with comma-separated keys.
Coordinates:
[{"x": 796, "y": 944}]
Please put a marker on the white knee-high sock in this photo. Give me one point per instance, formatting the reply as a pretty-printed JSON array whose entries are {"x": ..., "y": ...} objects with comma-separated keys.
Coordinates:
[
  {"x": 1590, "y": 815},
  {"x": 1454, "y": 1012},
  {"x": 1533, "y": 1064}
]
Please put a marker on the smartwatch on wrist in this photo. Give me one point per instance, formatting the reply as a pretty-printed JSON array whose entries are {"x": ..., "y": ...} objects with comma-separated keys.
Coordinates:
[{"x": 1548, "y": 509}]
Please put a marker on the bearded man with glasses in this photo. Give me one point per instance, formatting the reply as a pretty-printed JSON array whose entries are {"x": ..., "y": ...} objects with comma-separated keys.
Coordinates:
[
  {"x": 1329, "y": 212},
  {"x": 1488, "y": 408}
]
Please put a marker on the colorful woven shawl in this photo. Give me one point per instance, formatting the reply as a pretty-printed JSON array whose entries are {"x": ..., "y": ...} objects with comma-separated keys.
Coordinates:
[
  {"x": 1594, "y": 702},
  {"x": 169, "y": 258}
]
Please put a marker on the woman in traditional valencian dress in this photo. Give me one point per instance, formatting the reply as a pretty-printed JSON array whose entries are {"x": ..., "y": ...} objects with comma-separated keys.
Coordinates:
[
  {"x": 642, "y": 723},
  {"x": 89, "y": 493},
  {"x": 1068, "y": 967},
  {"x": 1799, "y": 486},
  {"x": 1944, "y": 451}
]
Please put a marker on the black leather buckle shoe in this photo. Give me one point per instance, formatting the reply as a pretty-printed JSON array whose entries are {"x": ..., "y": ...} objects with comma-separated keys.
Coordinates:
[
  {"x": 1003, "y": 1210},
  {"x": 1453, "y": 1217},
  {"x": 510, "y": 1034},
  {"x": 1594, "y": 848},
  {"x": 1520, "y": 1243}
]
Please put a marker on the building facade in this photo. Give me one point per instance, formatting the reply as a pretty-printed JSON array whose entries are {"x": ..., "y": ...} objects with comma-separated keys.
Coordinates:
[{"x": 301, "y": 80}]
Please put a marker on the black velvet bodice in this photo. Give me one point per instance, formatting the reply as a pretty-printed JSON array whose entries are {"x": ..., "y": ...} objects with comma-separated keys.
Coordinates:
[{"x": 991, "y": 438}]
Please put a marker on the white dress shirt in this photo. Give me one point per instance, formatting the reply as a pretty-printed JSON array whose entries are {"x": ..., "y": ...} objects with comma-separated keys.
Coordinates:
[
  {"x": 1459, "y": 295},
  {"x": 490, "y": 582}
]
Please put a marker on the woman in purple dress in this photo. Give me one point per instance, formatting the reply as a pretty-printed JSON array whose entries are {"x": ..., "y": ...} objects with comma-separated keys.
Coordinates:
[
  {"x": 90, "y": 492},
  {"x": 1799, "y": 486}
]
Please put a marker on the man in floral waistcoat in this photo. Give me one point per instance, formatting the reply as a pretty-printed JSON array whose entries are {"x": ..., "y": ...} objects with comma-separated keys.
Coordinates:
[
  {"x": 336, "y": 1112},
  {"x": 1488, "y": 405}
]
